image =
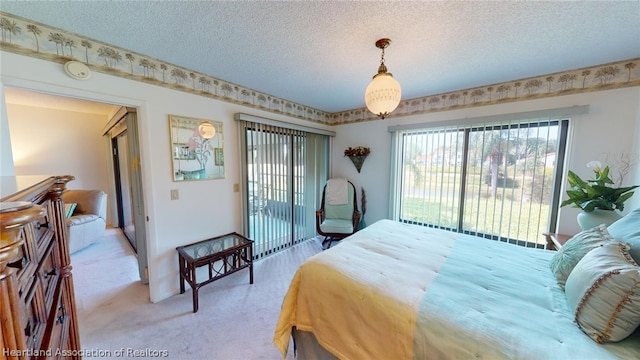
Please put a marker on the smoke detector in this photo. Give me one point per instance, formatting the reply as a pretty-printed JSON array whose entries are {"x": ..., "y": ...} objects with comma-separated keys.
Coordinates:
[{"x": 77, "y": 70}]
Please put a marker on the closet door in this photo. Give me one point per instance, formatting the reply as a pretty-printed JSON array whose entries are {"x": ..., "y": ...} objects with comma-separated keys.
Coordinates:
[
  {"x": 123, "y": 187},
  {"x": 127, "y": 175}
]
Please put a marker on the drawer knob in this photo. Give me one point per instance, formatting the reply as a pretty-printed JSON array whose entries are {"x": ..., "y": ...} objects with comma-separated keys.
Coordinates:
[
  {"x": 52, "y": 272},
  {"x": 19, "y": 264},
  {"x": 28, "y": 331},
  {"x": 63, "y": 315}
]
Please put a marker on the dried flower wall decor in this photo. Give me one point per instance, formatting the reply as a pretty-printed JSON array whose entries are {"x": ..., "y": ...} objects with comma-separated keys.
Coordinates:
[{"x": 357, "y": 155}]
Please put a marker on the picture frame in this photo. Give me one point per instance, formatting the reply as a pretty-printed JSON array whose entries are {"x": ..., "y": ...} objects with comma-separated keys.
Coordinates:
[{"x": 196, "y": 148}]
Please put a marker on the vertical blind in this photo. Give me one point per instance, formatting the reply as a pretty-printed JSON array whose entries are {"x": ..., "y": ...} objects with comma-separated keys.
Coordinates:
[
  {"x": 283, "y": 173},
  {"x": 498, "y": 180}
]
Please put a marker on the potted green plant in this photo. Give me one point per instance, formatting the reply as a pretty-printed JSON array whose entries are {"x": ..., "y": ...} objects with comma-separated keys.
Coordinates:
[{"x": 597, "y": 198}]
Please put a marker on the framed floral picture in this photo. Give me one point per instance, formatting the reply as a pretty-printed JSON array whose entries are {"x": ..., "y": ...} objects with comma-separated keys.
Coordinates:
[{"x": 197, "y": 148}]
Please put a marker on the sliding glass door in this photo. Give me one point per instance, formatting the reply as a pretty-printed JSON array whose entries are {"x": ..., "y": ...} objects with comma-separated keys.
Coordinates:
[
  {"x": 283, "y": 170},
  {"x": 497, "y": 181}
]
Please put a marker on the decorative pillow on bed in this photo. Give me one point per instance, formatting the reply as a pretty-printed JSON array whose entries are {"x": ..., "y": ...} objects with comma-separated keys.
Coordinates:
[
  {"x": 603, "y": 292},
  {"x": 627, "y": 230},
  {"x": 574, "y": 249}
]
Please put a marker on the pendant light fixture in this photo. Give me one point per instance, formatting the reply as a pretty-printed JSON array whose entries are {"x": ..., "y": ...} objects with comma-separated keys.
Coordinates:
[
  {"x": 383, "y": 93},
  {"x": 206, "y": 130}
]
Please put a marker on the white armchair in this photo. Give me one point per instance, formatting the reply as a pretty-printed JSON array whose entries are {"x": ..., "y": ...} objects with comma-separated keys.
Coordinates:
[{"x": 88, "y": 222}]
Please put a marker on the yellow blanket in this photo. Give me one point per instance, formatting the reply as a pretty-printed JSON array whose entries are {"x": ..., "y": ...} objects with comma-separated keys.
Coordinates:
[{"x": 346, "y": 300}]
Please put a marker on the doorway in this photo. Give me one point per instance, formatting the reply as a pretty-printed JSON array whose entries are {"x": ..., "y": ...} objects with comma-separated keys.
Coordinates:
[
  {"x": 284, "y": 171},
  {"x": 122, "y": 130},
  {"x": 78, "y": 124},
  {"x": 122, "y": 182}
]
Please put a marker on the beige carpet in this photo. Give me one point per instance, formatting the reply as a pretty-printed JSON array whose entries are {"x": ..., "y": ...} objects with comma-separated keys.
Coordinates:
[{"x": 235, "y": 320}]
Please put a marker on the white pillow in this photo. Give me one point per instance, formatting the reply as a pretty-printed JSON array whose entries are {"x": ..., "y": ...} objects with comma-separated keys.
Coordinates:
[
  {"x": 603, "y": 292},
  {"x": 574, "y": 249}
]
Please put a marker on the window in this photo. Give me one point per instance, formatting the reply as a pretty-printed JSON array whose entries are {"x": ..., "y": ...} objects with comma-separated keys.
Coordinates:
[{"x": 498, "y": 180}]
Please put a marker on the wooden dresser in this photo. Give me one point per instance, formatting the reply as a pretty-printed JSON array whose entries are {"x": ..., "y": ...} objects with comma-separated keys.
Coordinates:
[{"x": 38, "y": 303}]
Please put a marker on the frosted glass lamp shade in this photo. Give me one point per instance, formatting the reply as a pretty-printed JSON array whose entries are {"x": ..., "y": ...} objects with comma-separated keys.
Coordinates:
[
  {"x": 383, "y": 94},
  {"x": 206, "y": 130}
]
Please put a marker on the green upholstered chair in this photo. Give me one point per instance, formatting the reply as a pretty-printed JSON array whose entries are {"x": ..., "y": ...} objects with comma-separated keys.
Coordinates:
[{"x": 336, "y": 222}]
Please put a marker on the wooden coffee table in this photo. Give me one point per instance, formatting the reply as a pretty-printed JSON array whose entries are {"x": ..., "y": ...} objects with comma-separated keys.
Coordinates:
[{"x": 223, "y": 255}]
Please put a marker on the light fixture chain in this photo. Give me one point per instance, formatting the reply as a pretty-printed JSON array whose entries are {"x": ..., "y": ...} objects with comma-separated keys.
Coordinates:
[{"x": 382, "y": 57}]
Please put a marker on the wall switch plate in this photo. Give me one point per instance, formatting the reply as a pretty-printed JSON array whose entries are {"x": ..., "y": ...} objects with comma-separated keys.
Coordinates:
[
  {"x": 236, "y": 187},
  {"x": 174, "y": 194}
]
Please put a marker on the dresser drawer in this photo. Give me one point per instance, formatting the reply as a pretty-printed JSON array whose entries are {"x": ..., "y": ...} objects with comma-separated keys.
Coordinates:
[
  {"x": 34, "y": 315},
  {"x": 43, "y": 229},
  {"x": 27, "y": 263},
  {"x": 57, "y": 330},
  {"x": 49, "y": 272}
]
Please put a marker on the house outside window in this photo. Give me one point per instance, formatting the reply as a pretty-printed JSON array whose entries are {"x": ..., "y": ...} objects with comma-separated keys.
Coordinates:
[{"x": 496, "y": 180}]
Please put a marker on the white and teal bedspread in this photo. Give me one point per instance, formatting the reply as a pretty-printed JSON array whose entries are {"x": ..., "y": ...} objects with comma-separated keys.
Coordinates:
[{"x": 398, "y": 291}]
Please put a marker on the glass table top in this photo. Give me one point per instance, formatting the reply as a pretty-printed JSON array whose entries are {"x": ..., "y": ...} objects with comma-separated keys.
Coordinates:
[{"x": 212, "y": 246}]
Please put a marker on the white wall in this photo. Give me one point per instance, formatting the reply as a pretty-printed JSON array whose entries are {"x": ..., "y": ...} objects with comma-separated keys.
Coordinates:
[
  {"x": 57, "y": 142},
  {"x": 609, "y": 127},
  {"x": 6, "y": 155},
  {"x": 205, "y": 208}
]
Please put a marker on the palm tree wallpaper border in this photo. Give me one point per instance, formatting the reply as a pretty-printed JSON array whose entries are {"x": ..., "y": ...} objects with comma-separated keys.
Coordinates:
[{"x": 30, "y": 38}]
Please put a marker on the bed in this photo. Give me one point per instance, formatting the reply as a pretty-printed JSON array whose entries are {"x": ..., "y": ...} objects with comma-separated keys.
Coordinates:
[{"x": 399, "y": 291}]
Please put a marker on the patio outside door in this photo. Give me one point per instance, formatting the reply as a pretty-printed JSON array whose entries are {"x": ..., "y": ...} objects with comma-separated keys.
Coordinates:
[{"x": 283, "y": 172}]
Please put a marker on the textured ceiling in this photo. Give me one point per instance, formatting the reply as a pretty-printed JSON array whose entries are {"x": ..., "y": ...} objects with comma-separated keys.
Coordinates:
[{"x": 322, "y": 54}]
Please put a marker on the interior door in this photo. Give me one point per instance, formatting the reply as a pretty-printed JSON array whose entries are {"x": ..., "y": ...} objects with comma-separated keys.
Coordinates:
[
  {"x": 123, "y": 130},
  {"x": 123, "y": 188}
]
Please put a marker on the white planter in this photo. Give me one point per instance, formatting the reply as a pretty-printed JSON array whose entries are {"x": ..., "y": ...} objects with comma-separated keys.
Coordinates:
[{"x": 588, "y": 220}]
